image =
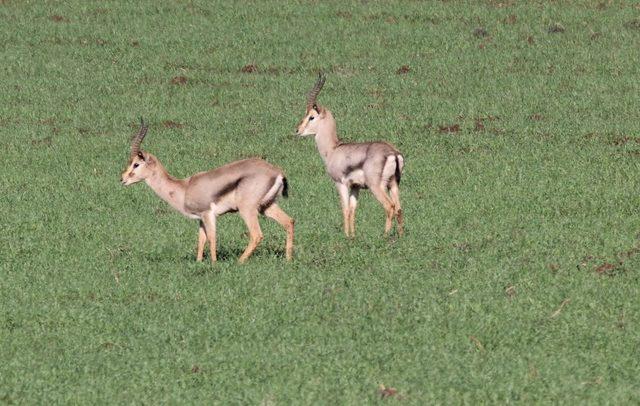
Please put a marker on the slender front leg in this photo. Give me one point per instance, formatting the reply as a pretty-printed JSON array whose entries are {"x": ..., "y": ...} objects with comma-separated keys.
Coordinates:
[
  {"x": 202, "y": 239},
  {"x": 353, "y": 203},
  {"x": 343, "y": 191},
  {"x": 209, "y": 220}
]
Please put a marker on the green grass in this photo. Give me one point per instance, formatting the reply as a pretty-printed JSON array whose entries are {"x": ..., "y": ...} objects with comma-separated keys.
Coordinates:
[{"x": 103, "y": 302}]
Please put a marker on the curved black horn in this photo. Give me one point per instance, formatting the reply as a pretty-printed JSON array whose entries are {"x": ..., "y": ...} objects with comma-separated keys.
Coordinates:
[
  {"x": 311, "y": 97},
  {"x": 137, "y": 139}
]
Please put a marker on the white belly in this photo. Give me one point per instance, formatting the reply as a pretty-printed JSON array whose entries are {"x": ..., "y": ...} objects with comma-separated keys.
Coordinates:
[
  {"x": 354, "y": 178},
  {"x": 226, "y": 204}
]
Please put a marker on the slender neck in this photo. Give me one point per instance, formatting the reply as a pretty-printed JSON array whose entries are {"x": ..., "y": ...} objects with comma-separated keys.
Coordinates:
[
  {"x": 326, "y": 135},
  {"x": 168, "y": 188}
]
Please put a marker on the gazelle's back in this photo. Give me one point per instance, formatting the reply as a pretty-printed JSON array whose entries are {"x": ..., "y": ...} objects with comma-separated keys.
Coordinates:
[{"x": 245, "y": 181}]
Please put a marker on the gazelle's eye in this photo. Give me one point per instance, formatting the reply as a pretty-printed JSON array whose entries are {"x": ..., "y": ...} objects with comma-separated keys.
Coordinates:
[
  {"x": 311, "y": 118},
  {"x": 136, "y": 165}
]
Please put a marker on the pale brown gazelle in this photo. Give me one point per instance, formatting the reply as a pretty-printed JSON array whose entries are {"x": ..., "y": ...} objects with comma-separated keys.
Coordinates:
[
  {"x": 354, "y": 166},
  {"x": 250, "y": 187}
]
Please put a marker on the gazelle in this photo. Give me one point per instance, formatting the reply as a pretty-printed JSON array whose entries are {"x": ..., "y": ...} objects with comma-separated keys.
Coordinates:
[
  {"x": 250, "y": 186},
  {"x": 354, "y": 166}
]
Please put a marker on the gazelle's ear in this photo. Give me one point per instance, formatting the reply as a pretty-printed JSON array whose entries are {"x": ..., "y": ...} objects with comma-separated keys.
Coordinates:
[
  {"x": 141, "y": 156},
  {"x": 315, "y": 107}
]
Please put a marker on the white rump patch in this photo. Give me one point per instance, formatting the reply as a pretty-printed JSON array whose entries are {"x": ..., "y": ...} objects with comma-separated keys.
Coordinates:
[
  {"x": 277, "y": 187},
  {"x": 400, "y": 163},
  {"x": 389, "y": 168}
]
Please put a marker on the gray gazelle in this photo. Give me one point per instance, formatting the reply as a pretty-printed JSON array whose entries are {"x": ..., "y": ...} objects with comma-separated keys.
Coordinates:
[
  {"x": 354, "y": 166},
  {"x": 249, "y": 186}
]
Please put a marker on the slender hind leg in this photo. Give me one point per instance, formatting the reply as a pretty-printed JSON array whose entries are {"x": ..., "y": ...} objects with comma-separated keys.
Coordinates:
[
  {"x": 379, "y": 193},
  {"x": 394, "y": 191},
  {"x": 202, "y": 239},
  {"x": 209, "y": 220},
  {"x": 353, "y": 203},
  {"x": 275, "y": 212},
  {"x": 250, "y": 218},
  {"x": 343, "y": 191},
  {"x": 379, "y": 189}
]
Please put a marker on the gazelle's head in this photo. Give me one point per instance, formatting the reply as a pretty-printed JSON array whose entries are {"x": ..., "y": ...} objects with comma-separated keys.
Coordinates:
[
  {"x": 315, "y": 114},
  {"x": 139, "y": 166}
]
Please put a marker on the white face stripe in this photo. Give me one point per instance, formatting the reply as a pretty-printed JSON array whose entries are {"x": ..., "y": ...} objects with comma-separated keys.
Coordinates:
[{"x": 306, "y": 123}]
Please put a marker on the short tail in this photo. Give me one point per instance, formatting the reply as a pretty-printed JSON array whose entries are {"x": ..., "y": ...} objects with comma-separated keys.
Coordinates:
[
  {"x": 285, "y": 187},
  {"x": 399, "y": 166}
]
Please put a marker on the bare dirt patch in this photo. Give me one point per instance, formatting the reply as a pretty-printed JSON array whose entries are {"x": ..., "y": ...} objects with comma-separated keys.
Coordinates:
[
  {"x": 480, "y": 32},
  {"x": 179, "y": 80},
  {"x": 448, "y": 129},
  {"x": 556, "y": 28},
  {"x": 108, "y": 345},
  {"x": 58, "y": 19},
  {"x": 536, "y": 117},
  {"x": 624, "y": 140},
  {"x": 251, "y": 68},
  {"x": 633, "y": 24},
  {"x": 42, "y": 142},
  {"x": 606, "y": 268},
  {"x": 610, "y": 267},
  {"x": 511, "y": 19},
  {"x": 386, "y": 392},
  {"x": 344, "y": 14},
  {"x": 403, "y": 70}
]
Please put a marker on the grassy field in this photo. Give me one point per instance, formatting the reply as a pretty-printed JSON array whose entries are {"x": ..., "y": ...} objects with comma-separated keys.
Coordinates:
[{"x": 517, "y": 279}]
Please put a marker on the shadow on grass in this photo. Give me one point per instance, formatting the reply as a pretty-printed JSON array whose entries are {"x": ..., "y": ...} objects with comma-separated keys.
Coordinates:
[{"x": 233, "y": 254}]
